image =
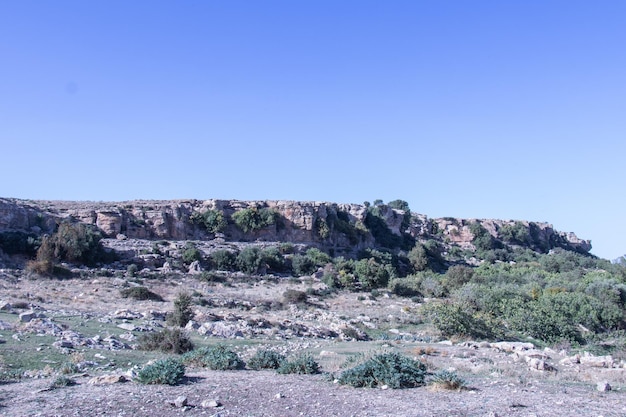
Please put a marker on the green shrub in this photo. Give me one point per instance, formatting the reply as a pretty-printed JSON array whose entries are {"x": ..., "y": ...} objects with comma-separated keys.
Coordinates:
[
  {"x": 308, "y": 263},
  {"x": 457, "y": 276},
  {"x": 249, "y": 260},
  {"x": 223, "y": 260},
  {"x": 273, "y": 259},
  {"x": 483, "y": 240},
  {"x": 218, "y": 358},
  {"x": 19, "y": 243},
  {"x": 418, "y": 257},
  {"x": 371, "y": 274},
  {"x": 183, "y": 312},
  {"x": 286, "y": 248},
  {"x": 164, "y": 371},
  {"x": 191, "y": 253},
  {"x": 140, "y": 293},
  {"x": 167, "y": 341},
  {"x": 321, "y": 226},
  {"x": 212, "y": 220},
  {"x": 266, "y": 359},
  {"x": 303, "y": 265},
  {"x": 390, "y": 369},
  {"x": 131, "y": 270},
  {"x": 301, "y": 364},
  {"x": 405, "y": 287},
  {"x": 78, "y": 243},
  {"x": 454, "y": 320},
  {"x": 516, "y": 233},
  {"x": 251, "y": 219}
]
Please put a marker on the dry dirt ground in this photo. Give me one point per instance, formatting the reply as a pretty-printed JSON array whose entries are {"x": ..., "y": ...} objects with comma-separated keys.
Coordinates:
[
  {"x": 499, "y": 383},
  {"x": 264, "y": 393}
]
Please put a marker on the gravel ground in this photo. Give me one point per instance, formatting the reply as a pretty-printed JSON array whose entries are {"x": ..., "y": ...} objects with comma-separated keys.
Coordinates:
[{"x": 264, "y": 393}]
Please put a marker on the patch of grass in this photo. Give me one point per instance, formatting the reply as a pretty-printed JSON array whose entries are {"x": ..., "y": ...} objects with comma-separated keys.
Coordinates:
[
  {"x": 447, "y": 380},
  {"x": 62, "y": 381},
  {"x": 68, "y": 368}
]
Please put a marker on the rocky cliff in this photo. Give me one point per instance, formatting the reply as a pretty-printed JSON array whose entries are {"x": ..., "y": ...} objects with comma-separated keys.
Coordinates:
[{"x": 342, "y": 227}]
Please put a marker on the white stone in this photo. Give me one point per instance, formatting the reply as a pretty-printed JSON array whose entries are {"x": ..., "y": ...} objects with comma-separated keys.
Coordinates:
[{"x": 180, "y": 401}]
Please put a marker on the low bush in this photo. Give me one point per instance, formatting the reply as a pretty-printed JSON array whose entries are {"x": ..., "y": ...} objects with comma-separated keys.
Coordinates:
[
  {"x": 68, "y": 368},
  {"x": 191, "y": 253},
  {"x": 223, "y": 260},
  {"x": 62, "y": 381},
  {"x": 249, "y": 260},
  {"x": 167, "y": 340},
  {"x": 447, "y": 380},
  {"x": 405, "y": 287},
  {"x": 302, "y": 364},
  {"x": 454, "y": 320},
  {"x": 390, "y": 369},
  {"x": 164, "y": 371},
  {"x": 294, "y": 296},
  {"x": 218, "y": 358},
  {"x": 266, "y": 359},
  {"x": 140, "y": 293}
]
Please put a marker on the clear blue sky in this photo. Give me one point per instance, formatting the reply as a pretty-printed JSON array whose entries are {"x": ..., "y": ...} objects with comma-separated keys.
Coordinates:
[{"x": 488, "y": 109}]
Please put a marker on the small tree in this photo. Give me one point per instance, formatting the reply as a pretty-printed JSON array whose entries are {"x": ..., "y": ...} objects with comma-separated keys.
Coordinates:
[
  {"x": 182, "y": 310},
  {"x": 212, "y": 220},
  {"x": 418, "y": 257}
]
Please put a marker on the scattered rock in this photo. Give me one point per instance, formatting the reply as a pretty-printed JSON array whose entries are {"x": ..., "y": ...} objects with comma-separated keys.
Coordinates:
[
  {"x": 180, "y": 401},
  {"x": 210, "y": 404},
  {"x": 570, "y": 360},
  {"x": 27, "y": 316},
  {"x": 512, "y": 346},
  {"x": 195, "y": 268},
  {"x": 127, "y": 326},
  {"x": 107, "y": 379},
  {"x": 603, "y": 386},
  {"x": 126, "y": 315},
  {"x": 596, "y": 361}
]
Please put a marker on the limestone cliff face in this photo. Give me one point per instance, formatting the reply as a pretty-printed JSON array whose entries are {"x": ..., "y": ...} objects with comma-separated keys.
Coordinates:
[{"x": 327, "y": 225}]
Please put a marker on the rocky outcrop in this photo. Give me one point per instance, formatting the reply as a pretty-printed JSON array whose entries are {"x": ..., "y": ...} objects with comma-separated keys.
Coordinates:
[{"x": 326, "y": 225}]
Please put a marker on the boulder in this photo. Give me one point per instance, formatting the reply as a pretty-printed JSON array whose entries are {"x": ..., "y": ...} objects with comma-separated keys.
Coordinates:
[
  {"x": 180, "y": 401},
  {"x": 107, "y": 379},
  {"x": 596, "y": 361},
  {"x": 195, "y": 268},
  {"x": 27, "y": 316}
]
